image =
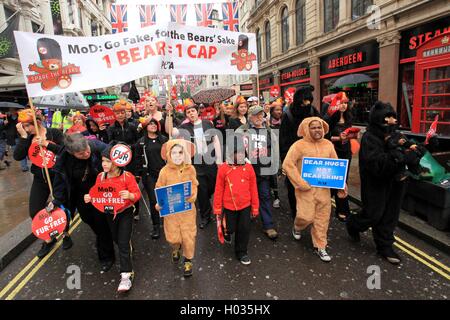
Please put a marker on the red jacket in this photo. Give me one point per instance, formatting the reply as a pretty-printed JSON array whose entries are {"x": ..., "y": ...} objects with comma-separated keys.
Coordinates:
[
  {"x": 236, "y": 188},
  {"x": 126, "y": 181}
]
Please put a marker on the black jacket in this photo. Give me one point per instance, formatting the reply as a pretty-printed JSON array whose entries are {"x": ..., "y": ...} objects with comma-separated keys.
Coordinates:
[
  {"x": 128, "y": 133},
  {"x": 11, "y": 131},
  {"x": 289, "y": 125},
  {"x": 147, "y": 156},
  {"x": 343, "y": 150},
  {"x": 63, "y": 182},
  {"x": 21, "y": 150}
]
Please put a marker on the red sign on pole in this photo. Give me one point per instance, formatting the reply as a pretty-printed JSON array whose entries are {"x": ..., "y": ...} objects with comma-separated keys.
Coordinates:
[
  {"x": 102, "y": 115},
  {"x": 47, "y": 225},
  {"x": 38, "y": 159},
  {"x": 105, "y": 197},
  {"x": 274, "y": 91}
]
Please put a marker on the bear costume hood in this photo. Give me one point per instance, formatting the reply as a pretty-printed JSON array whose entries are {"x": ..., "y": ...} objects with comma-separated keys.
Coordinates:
[
  {"x": 378, "y": 112},
  {"x": 297, "y": 108},
  {"x": 303, "y": 129}
]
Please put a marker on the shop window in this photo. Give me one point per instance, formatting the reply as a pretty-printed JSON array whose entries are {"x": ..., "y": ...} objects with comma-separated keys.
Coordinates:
[
  {"x": 300, "y": 19},
  {"x": 331, "y": 14},
  {"x": 284, "y": 29},
  {"x": 406, "y": 95},
  {"x": 359, "y": 8},
  {"x": 267, "y": 40},
  {"x": 258, "y": 44}
]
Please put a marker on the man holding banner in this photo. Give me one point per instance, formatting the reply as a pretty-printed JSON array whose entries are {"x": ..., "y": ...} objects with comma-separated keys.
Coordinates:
[{"x": 313, "y": 203}]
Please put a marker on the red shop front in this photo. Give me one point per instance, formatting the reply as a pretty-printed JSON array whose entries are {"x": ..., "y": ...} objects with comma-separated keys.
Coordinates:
[{"x": 432, "y": 86}]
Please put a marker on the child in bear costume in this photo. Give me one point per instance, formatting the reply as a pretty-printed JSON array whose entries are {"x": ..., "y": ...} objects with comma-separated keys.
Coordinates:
[{"x": 313, "y": 204}]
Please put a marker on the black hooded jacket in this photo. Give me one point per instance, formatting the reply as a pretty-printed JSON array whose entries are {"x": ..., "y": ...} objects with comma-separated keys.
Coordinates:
[
  {"x": 292, "y": 118},
  {"x": 375, "y": 161}
]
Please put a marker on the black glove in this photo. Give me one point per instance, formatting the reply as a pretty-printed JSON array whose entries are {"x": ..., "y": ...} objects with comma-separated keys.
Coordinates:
[{"x": 411, "y": 158}]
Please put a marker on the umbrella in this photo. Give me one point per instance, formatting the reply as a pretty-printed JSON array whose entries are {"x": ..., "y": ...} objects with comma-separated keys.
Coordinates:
[
  {"x": 210, "y": 96},
  {"x": 6, "y": 104},
  {"x": 74, "y": 100},
  {"x": 352, "y": 79}
]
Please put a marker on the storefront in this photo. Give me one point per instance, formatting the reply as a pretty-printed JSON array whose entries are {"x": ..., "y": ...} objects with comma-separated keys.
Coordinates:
[
  {"x": 363, "y": 59},
  {"x": 294, "y": 76},
  {"x": 432, "y": 86},
  {"x": 411, "y": 39},
  {"x": 265, "y": 82}
]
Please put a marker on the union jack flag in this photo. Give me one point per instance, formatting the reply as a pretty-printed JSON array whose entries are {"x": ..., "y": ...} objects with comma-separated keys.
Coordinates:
[
  {"x": 203, "y": 14},
  {"x": 178, "y": 13},
  {"x": 148, "y": 15},
  {"x": 119, "y": 20},
  {"x": 230, "y": 12}
]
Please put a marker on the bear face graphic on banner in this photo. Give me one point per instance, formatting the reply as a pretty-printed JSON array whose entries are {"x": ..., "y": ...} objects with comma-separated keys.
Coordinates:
[{"x": 243, "y": 59}]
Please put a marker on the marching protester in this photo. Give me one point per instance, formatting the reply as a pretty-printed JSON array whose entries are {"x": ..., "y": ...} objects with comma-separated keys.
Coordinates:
[
  {"x": 276, "y": 112},
  {"x": 313, "y": 204},
  {"x": 300, "y": 109},
  {"x": 121, "y": 223},
  {"x": 180, "y": 229},
  {"x": 208, "y": 155},
  {"x": 381, "y": 193},
  {"x": 96, "y": 130},
  {"x": 151, "y": 110},
  {"x": 236, "y": 199},
  {"x": 3, "y": 142},
  {"x": 52, "y": 139},
  {"x": 260, "y": 148},
  {"x": 77, "y": 168},
  {"x": 79, "y": 124},
  {"x": 149, "y": 164},
  {"x": 12, "y": 136},
  {"x": 338, "y": 121},
  {"x": 239, "y": 116}
]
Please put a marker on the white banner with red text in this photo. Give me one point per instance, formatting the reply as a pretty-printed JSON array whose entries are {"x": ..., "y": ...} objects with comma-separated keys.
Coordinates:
[{"x": 59, "y": 64}]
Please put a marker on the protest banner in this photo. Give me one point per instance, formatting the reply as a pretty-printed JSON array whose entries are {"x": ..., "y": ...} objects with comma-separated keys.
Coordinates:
[
  {"x": 172, "y": 199},
  {"x": 105, "y": 197},
  {"x": 47, "y": 225},
  {"x": 325, "y": 172},
  {"x": 41, "y": 157},
  {"x": 120, "y": 155},
  {"x": 59, "y": 64}
]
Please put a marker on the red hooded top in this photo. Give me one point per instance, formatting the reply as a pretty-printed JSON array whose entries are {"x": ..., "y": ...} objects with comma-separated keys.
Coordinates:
[{"x": 236, "y": 188}]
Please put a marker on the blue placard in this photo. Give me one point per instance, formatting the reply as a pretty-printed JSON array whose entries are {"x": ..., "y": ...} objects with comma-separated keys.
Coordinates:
[
  {"x": 325, "y": 172},
  {"x": 172, "y": 198}
]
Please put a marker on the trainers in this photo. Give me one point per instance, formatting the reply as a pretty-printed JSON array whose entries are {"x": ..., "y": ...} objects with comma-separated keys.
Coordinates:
[
  {"x": 187, "y": 269},
  {"x": 245, "y": 260},
  {"x": 126, "y": 282},
  {"x": 297, "y": 234},
  {"x": 353, "y": 233},
  {"x": 276, "y": 203},
  {"x": 271, "y": 233},
  {"x": 204, "y": 222},
  {"x": 45, "y": 249},
  {"x": 176, "y": 255},
  {"x": 323, "y": 255},
  {"x": 156, "y": 232},
  {"x": 390, "y": 255},
  {"x": 67, "y": 243}
]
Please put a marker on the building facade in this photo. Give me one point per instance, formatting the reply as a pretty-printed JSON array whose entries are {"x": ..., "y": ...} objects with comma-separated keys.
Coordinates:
[{"x": 319, "y": 41}]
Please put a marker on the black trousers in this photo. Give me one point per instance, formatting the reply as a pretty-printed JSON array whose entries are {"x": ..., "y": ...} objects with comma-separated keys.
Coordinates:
[
  {"x": 342, "y": 205},
  {"x": 291, "y": 196},
  {"x": 206, "y": 186},
  {"x": 121, "y": 230},
  {"x": 274, "y": 185},
  {"x": 381, "y": 210},
  {"x": 97, "y": 221},
  {"x": 149, "y": 183},
  {"x": 39, "y": 194},
  {"x": 239, "y": 222}
]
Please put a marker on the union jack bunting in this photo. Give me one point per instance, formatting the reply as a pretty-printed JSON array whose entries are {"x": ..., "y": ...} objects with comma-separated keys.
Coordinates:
[
  {"x": 119, "y": 20},
  {"x": 203, "y": 14},
  {"x": 178, "y": 13},
  {"x": 230, "y": 13},
  {"x": 147, "y": 15}
]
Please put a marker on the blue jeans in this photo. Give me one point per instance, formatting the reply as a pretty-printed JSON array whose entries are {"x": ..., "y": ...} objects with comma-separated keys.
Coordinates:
[
  {"x": 2, "y": 148},
  {"x": 24, "y": 162},
  {"x": 264, "y": 203}
]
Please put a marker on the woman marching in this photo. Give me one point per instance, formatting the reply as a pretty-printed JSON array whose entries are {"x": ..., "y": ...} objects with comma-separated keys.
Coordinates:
[
  {"x": 149, "y": 164},
  {"x": 52, "y": 139},
  {"x": 240, "y": 113},
  {"x": 120, "y": 224}
]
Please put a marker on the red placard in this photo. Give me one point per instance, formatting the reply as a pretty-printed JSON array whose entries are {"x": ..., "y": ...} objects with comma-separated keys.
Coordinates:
[
  {"x": 34, "y": 153},
  {"x": 289, "y": 95},
  {"x": 120, "y": 155},
  {"x": 47, "y": 225},
  {"x": 102, "y": 115},
  {"x": 173, "y": 93},
  {"x": 105, "y": 196},
  {"x": 208, "y": 114},
  {"x": 274, "y": 91}
]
